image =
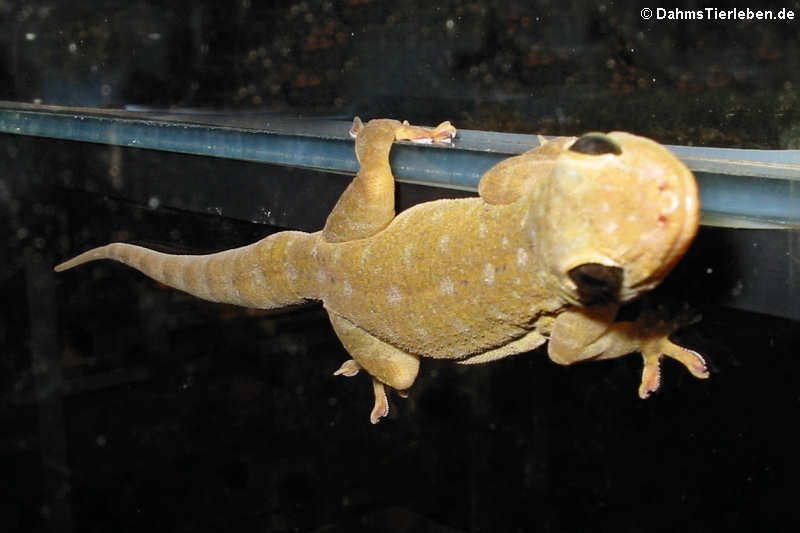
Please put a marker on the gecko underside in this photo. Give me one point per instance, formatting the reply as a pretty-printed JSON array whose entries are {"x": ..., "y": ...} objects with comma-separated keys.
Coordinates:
[{"x": 559, "y": 238}]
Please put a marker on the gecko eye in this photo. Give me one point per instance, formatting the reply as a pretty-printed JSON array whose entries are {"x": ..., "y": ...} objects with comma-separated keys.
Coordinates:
[
  {"x": 595, "y": 144},
  {"x": 597, "y": 284}
]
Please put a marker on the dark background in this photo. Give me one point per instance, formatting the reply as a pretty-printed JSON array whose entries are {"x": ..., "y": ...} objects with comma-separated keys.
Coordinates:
[
  {"x": 530, "y": 67},
  {"x": 126, "y": 406}
]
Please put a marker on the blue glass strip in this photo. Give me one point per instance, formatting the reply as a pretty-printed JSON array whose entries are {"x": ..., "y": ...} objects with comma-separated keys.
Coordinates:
[{"x": 738, "y": 188}]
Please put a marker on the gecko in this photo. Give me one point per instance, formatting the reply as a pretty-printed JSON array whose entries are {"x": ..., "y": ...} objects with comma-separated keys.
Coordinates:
[{"x": 557, "y": 240}]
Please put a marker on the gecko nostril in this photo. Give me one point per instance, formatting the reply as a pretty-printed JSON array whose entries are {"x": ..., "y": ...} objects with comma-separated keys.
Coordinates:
[
  {"x": 597, "y": 284},
  {"x": 595, "y": 144}
]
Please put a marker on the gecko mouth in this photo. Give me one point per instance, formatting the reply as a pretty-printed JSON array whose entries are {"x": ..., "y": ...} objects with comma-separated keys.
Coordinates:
[{"x": 597, "y": 284}]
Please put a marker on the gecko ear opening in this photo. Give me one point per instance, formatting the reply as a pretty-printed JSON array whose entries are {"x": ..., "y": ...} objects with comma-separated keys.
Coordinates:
[{"x": 597, "y": 284}]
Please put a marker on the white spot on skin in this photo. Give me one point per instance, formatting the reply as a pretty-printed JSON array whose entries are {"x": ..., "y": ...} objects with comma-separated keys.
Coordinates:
[
  {"x": 461, "y": 327},
  {"x": 446, "y": 286},
  {"x": 522, "y": 257},
  {"x": 482, "y": 230},
  {"x": 436, "y": 216},
  {"x": 408, "y": 251},
  {"x": 394, "y": 295},
  {"x": 364, "y": 255},
  {"x": 258, "y": 278},
  {"x": 347, "y": 289},
  {"x": 505, "y": 242},
  {"x": 443, "y": 242},
  {"x": 488, "y": 274},
  {"x": 611, "y": 227},
  {"x": 497, "y": 313},
  {"x": 401, "y": 225},
  {"x": 291, "y": 273},
  {"x": 314, "y": 251}
]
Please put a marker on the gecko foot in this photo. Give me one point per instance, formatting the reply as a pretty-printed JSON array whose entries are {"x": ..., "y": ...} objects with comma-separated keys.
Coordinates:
[
  {"x": 381, "y": 407},
  {"x": 443, "y": 133},
  {"x": 348, "y": 369},
  {"x": 652, "y": 354}
]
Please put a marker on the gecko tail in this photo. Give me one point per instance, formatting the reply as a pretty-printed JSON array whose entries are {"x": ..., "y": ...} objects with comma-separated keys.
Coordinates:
[
  {"x": 261, "y": 275},
  {"x": 101, "y": 252}
]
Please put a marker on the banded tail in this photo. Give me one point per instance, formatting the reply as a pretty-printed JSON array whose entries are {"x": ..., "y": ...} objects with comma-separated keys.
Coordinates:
[{"x": 259, "y": 275}]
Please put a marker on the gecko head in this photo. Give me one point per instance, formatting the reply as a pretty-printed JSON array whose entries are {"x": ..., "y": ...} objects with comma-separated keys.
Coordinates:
[{"x": 619, "y": 212}]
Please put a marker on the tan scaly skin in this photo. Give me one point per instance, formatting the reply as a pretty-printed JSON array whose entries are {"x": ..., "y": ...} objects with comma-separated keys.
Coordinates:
[{"x": 559, "y": 238}]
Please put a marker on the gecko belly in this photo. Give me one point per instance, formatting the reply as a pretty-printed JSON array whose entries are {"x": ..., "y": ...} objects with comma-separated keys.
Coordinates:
[{"x": 444, "y": 294}]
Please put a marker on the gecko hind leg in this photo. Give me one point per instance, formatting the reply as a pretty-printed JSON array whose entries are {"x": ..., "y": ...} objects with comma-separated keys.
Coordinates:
[{"x": 385, "y": 364}]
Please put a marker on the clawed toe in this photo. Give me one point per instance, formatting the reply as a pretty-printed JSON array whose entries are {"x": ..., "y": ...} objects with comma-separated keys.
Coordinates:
[
  {"x": 356, "y": 127},
  {"x": 692, "y": 360},
  {"x": 651, "y": 375},
  {"x": 381, "y": 407},
  {"x": 444, "y": 132},
  {"x": 348, "y": 369}
]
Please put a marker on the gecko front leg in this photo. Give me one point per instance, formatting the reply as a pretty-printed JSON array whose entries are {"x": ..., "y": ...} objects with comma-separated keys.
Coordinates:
[
  {"x": 367, "y": 205},
  {"x": 591, "y": 333}
]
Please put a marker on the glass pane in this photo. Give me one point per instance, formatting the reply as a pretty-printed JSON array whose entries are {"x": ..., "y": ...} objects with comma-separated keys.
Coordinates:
[{"x": 191, "y": 129}]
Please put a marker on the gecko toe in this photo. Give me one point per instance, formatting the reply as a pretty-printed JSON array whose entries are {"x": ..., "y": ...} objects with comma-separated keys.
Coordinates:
[
  {"x": 356, "y": 127},
  {"x": 381, "y": 407},
  {"x": 651, "y": 375},
  {"x": 692, "y": 360},
  {"x": 348, "y": 369}
]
